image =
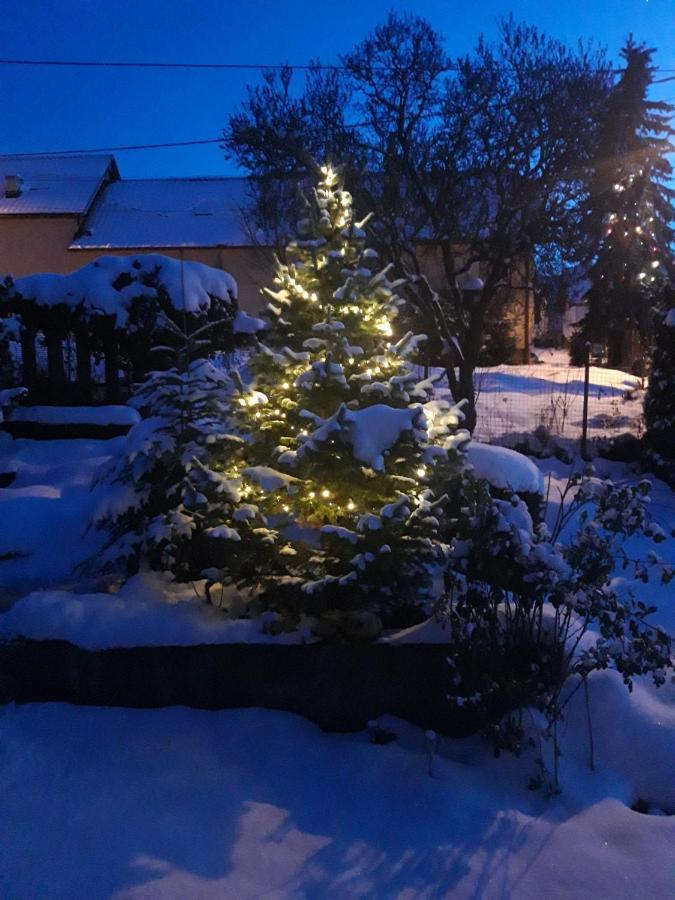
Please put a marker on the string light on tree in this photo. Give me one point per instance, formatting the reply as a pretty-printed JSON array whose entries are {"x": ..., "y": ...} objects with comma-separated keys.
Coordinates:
[{"x": 337, "y": 424}]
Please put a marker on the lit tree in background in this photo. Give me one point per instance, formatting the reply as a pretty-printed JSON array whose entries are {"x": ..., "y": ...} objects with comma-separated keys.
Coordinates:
[
  {"x": 631, "y": 211},
  {"x": 345, "y": 459}
]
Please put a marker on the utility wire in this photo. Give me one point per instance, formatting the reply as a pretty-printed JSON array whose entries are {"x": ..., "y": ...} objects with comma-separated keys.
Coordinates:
[
  {"x": 79, "y": 152},
  {"x": 131, "y": 64}
]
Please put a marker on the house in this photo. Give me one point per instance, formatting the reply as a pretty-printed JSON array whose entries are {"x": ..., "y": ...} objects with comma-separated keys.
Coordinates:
[
  {"x": 58, "y": 213},
  {"x": 44, "y": 202}
]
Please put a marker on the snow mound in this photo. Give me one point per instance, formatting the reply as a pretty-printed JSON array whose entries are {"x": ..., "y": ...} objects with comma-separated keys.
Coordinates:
[
  {"x": 144, "y": 613},
  {"x": 505, "y": 469},
  {"x": 109, "y": 284}
]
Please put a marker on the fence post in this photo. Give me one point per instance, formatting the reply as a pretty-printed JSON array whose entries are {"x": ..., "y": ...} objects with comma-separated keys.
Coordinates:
[
  {"x": 28, "y": 358},
  {"x": 584, "y": 426}
]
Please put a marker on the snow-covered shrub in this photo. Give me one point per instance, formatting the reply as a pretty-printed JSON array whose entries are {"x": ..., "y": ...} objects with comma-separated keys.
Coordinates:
[
  {"x": 157, "y": 498},
  {"x": 660, "y": 400},
  {"x": 530, "y": 617}
]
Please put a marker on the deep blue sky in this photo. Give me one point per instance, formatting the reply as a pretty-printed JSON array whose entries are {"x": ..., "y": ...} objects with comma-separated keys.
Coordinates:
[{"x": 51, "y": 109}]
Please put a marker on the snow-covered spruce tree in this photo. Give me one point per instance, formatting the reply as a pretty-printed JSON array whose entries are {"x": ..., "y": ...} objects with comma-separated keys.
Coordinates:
[
  {"x": 158, "y": 498},
  {"x": 345, "y": 460},
  {"x": 630, "y": 212},
  {"x": 660, "y": 399}
]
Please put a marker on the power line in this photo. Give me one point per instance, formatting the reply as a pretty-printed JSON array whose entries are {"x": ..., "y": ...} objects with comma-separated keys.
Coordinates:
[
  {"x": 128, "y": 64},
  {"x": 133, "y": 64},
  {"x": 114, "y": 149}
]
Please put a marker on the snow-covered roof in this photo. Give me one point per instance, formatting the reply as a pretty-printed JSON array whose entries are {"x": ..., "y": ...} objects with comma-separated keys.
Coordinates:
[
  {"x": 168, "y": 212},
  {"x": 53, "y": 185}
]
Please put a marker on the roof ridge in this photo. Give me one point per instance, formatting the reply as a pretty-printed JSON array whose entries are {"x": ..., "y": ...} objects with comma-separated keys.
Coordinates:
[
  {"x": 35, "y": 156},
  {"x": 186, "y": 178}
]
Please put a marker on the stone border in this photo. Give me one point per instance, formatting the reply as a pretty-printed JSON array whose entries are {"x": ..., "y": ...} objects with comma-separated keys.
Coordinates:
[{"x": 340, "y": 687}]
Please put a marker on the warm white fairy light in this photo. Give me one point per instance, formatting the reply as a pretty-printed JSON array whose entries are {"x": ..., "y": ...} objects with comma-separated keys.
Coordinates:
[{"x": 325, "y": 493}]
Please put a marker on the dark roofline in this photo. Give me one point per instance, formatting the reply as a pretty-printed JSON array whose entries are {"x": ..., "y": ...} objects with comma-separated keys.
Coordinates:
[
  {"x": 112, "y": 173},
  {"x": 157, "y": 248}
]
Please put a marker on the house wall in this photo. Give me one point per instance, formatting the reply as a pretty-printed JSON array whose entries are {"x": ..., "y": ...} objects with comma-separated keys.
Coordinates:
[
  {"x": 30, "y": 244},
  {"x": 519, "y": 306}
]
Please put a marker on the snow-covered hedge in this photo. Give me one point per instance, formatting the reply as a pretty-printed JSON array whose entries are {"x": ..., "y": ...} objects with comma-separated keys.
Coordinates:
[
  {"x": 111, "y": 286},
  {"x": 120, "y": 305}
]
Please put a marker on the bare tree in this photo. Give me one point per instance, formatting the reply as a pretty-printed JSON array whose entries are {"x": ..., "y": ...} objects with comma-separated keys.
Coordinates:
[{"x": 473, "y": 162}]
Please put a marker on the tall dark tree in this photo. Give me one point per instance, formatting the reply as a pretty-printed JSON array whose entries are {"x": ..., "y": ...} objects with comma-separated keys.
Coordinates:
[
  {"x": 467, "y": 165},
  {"x": 630, "y": 213},
  {"x": 660, "y": 397}
]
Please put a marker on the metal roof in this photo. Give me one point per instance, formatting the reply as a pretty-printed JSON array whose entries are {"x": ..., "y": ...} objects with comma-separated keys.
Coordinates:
[
  {"x": 168, "y": 212},
  {"x": 53, "y": 185}
]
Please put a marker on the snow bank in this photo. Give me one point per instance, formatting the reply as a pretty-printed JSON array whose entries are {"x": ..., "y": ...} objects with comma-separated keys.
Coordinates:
[
  {"x": 145, "y": 612},
  {"x": 49, "y": 505},
  {"x": 76, "y": 415},
  {"x": 109, "y": 284},
  {"x": 505, "y": 469}
]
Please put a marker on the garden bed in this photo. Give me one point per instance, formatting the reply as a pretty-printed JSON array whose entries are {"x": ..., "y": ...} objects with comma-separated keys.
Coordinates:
[{"x": 44, "y": 423}]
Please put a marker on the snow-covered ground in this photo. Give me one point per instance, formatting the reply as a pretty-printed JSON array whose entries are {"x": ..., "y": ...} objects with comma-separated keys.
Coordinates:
[
  {"x": 249, "y": 803},
  {"x": 514, "y": 400},
  {"x": 45, "y": 511},
  {"x": 180, "y": 803}
]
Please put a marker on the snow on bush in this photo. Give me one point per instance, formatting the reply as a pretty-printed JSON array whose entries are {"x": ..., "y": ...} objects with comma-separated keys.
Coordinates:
[
  {"x": 505, "y": 469},
  {"x": 159, "y": 495},
  {"x": 109, "y": 285},
  {"x": 531, "y": 617}
]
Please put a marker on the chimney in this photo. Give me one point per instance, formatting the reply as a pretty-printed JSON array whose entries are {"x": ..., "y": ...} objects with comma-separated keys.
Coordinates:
[{"x": 12, "y": 186}]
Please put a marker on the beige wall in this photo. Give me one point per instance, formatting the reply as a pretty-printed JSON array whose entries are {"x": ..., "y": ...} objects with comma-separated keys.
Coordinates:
[
  {"x": 519, "y": 308},
  {"x": 30, "y": 244}
]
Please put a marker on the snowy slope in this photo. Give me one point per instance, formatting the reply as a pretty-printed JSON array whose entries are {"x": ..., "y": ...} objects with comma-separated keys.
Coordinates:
[
  {"x": 45, "y": 511},
  {"x": 513, "y": 400},
  {"x": 180, "y": 803}
]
